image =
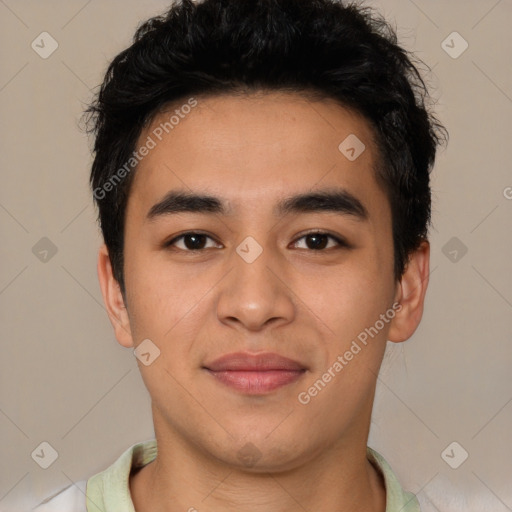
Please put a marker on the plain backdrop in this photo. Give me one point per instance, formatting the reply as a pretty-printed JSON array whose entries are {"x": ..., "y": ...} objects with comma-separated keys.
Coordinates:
[{"x": 65, "y": 380}]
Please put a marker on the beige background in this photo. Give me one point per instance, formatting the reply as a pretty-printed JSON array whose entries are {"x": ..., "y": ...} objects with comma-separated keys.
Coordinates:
[{"x": 65, "y": 380}]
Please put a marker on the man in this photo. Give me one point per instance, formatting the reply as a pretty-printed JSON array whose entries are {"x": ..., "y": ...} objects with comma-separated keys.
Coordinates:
[{"x": 262, "y": 177}]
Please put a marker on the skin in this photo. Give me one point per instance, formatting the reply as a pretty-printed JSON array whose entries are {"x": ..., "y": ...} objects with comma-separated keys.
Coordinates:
[{"x": 302, "y": 303}]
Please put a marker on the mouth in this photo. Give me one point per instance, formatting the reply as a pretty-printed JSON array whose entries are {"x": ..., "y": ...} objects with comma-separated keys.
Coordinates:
[{"x": 255, "y": 373}]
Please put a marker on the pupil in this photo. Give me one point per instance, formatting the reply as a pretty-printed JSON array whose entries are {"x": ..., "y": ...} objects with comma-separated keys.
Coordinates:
[
  {"x": 195, "y": 242},
  {"x": 194, "y": 245},
  {"x": 317, "y": 244}
]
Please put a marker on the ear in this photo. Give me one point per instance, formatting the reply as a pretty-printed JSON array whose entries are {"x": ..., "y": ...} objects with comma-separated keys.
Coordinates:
[
  {"x": 113, "y": 299},
  {"x": 411, "y": 295}
]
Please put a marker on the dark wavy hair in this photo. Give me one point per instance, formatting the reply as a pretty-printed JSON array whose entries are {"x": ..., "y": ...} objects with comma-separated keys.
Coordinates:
[{"x": 318, "y": 48}]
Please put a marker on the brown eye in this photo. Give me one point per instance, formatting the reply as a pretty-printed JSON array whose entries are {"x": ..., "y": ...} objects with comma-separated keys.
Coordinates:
[
  {"x": 191, "y": 241},
  {"x": 318, "y": 241}
]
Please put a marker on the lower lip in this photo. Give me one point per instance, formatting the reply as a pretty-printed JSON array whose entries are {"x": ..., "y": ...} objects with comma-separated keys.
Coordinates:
[{"x": 257, "y": 382}]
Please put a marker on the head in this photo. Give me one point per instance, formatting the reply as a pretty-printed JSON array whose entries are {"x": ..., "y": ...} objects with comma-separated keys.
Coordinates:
[{"x": 268, "y": 121}]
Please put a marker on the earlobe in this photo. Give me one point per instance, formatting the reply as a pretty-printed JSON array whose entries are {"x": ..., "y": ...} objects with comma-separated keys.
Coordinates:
[
  {"x": 113, "y": 299},
  {"x": 411, "y": 295}
]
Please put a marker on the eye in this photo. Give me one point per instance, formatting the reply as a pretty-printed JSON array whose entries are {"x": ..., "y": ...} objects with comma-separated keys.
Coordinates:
[
  {"x": 192, "y": 241},
  {"x": 319, "y": 241}
]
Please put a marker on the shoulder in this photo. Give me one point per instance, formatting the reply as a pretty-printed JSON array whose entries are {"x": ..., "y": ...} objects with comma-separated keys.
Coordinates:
[
  {"x": 69, "y": 499},
  {"x": 397, "y": 499},
  {"x": 105, "y": 489}
]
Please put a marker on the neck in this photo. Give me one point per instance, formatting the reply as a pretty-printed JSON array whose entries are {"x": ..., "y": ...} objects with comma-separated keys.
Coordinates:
[{"x": 183, "y": 478}]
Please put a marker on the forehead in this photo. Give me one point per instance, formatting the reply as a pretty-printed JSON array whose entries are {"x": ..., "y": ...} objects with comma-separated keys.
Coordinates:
[{"x": 253, "y": 148}]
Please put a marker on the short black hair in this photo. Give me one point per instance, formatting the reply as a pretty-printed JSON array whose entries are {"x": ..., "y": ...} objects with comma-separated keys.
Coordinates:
[{"x": 318, "y": 48}]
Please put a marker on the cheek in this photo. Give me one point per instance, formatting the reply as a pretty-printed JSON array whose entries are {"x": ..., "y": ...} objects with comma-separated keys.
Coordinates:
[
  {"x": 167, "y": 301},
  {"x": 349, "y": 297}
]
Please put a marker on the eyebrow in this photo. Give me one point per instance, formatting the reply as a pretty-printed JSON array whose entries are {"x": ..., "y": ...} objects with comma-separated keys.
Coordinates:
[{"x": 336, "y": 200}]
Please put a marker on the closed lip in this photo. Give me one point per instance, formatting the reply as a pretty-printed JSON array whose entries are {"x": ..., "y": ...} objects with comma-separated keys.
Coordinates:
[{"x": 245, "y": 361}]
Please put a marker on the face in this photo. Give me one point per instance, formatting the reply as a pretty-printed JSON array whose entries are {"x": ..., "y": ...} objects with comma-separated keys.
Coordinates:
[{"x": 290, "y": 253}]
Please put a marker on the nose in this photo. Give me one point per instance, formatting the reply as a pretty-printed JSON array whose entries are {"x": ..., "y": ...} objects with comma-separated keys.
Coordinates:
[{"x": 255, "y": 293}]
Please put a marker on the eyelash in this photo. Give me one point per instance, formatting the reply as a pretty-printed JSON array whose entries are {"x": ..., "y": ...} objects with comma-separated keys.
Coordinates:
[{"x": 341, "y": 243}]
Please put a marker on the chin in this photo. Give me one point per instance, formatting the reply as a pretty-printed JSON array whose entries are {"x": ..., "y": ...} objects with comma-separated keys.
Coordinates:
[{"x": 264, "y": 454}]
